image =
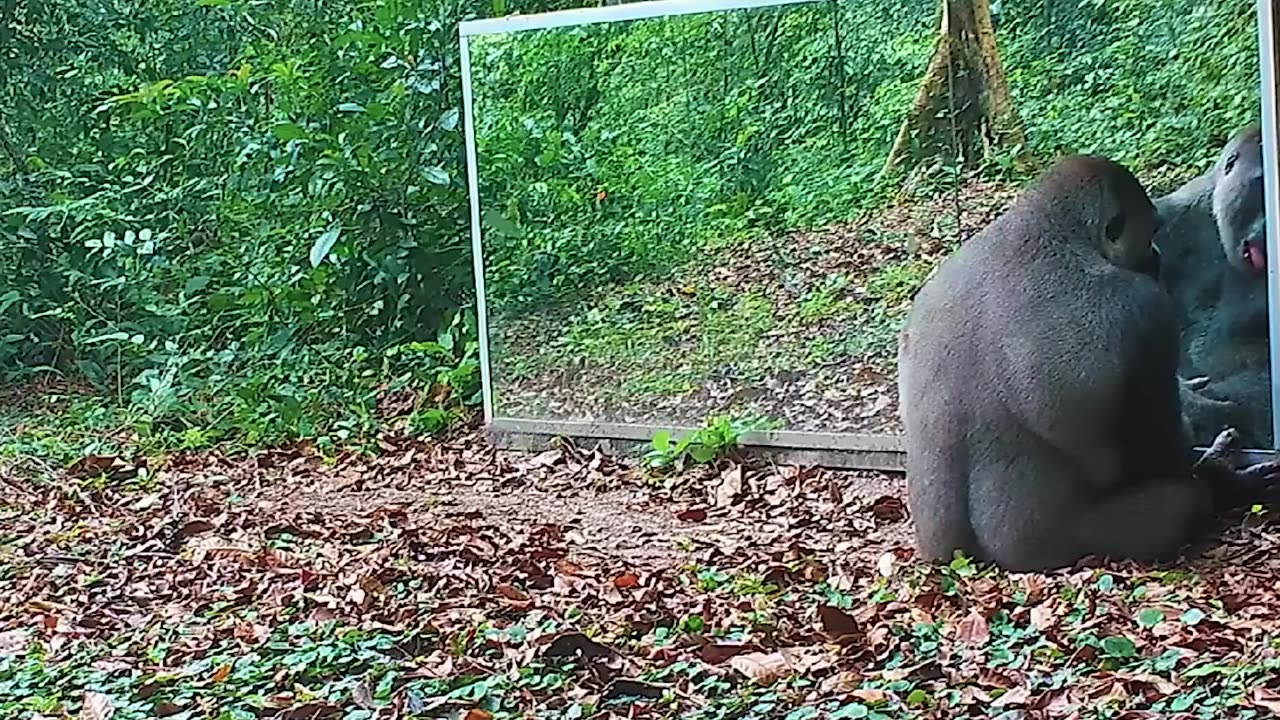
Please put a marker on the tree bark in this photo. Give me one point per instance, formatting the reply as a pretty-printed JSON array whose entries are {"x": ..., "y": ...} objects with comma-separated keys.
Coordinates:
[{"x": 962, "y": 109}]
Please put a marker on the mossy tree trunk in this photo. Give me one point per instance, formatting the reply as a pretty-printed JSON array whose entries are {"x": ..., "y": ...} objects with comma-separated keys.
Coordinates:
[{"x": 965, "y": 77}]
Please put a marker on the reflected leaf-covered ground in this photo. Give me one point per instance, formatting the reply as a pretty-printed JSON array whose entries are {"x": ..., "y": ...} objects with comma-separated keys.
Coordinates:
[{"x": 799, "y": 329}]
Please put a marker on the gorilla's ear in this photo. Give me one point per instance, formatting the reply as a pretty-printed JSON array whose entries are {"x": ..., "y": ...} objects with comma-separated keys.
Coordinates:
[{"x": 1115, "y": 227}]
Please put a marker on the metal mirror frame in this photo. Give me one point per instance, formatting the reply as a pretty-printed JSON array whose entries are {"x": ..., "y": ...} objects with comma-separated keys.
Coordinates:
[{"x": 848, "y": 450}]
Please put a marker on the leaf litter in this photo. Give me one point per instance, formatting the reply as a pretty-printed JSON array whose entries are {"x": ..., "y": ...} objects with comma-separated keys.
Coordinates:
[
  {"x": 829, "y": 370},
  {"x": 451, "y": 579}
]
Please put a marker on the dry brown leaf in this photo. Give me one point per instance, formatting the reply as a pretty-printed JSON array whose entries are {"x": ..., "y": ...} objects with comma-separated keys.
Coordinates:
[
  {"x": 546, "y": 459},
  {"x": 1161, "y": 685},
  {"x": 886, "y": 564},
  {"x": 692, "y": 515},
  {"x": 96, "y": 706},
  {"x": 888, "y": 508},
  {"x": 221, "y": 673},
  {"x": 871, "y": 696},
  {"x": 730, "y": 486},
  {"x": 626, "y": 580},
  {"x": 13, "y": 642},
  {"x": 719, "y": 653},
  {"x": 1016, "y": 696},
  {"x": 1266, "y": 699},
  {"x": 839, "y": 625},
  {"x": 973, "y": 630},
  {"x": 1043, "y": 617},
  {"x": 511, "y": 592},
  {"x": 478, "y": 714},
  {"x": 110, "y": 466},
  {"x": 763, "y": 668}
]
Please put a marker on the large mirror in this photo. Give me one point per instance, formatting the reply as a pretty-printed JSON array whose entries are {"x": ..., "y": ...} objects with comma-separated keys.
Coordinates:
[
  {"x": 682, "y": 219},
  {"x": 726, "y": 213}
]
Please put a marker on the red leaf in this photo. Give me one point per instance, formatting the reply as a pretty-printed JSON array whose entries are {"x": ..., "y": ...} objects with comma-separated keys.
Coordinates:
[
  {"x": 973, "y": 630},
  {"x": 693, "y": 515},
  {"x": 839, "y": 625},
  {"x": 511, "y": 592}
]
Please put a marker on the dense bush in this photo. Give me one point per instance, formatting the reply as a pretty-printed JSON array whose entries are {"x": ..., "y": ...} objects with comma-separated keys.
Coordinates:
[
  {"x": 240, "y": 217},
  {"x": 619, "y": 151}
]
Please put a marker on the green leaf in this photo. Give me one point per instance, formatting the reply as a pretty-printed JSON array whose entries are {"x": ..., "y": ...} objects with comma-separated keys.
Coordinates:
[
  {"x": 287, "y": 131},
  {"x": 1192, "y": 616},
  {"x": 323, "y": 244},
  {"x": 437, "y": 175},
  {"x": 1150, "y": 617},
  {"x": 1119, "y": 646},
  {"x": 445, "y": 339},
  {"x": 501, "y": 224},
  {"x": 350, "y": 107},
  {"x": 804, "y": 712},
  {"x": 661, "y": 441},
  {"x": 917, "y": 697},
  {"x": 852, "y": 711},
  {"x": 448, "y": 120},
  {"x": 702, "y": 453}
]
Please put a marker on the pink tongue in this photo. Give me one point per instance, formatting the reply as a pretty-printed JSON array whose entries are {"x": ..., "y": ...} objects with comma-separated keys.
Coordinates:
[{"x": 1256, "y": 258}]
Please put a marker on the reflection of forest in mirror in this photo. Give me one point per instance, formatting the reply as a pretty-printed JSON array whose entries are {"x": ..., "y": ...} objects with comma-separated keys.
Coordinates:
[{"x": 686, "y": 216}]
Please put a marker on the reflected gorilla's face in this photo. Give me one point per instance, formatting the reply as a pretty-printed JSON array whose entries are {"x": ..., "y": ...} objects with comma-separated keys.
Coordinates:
[{"x": 1238, "y": 207}]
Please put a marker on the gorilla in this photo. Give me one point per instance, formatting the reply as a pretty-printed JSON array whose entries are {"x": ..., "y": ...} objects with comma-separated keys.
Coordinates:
[
  {"x": 1213, "y": 244},
  {"x": 1039, "y": 392}
]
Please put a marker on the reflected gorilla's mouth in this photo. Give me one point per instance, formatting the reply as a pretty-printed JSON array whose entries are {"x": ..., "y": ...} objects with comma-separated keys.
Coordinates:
[{"x": 1254, "y": 254}]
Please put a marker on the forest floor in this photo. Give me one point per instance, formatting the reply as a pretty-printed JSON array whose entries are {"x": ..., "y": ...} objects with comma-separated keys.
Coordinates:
[
  {"x": 798, "y": 329},
  {"x": 450, "y": 579}
]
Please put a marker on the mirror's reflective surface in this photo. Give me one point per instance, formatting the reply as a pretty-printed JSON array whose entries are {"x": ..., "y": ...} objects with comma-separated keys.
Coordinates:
[{"x": 727, "y": 214}]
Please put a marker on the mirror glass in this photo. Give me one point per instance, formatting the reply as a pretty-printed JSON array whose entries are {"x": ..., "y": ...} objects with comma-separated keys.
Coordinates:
[
  {"x": 683, "y": 219},
  {"x": 725, "y": 215}
]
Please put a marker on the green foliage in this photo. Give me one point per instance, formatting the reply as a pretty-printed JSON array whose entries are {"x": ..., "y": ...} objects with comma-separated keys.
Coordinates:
[
  {"x": 720, "y": 435},
  {"x": 247, "y": 222},
  {"x": 240, "y": 220},
  {"x": 613, "y": 152}
]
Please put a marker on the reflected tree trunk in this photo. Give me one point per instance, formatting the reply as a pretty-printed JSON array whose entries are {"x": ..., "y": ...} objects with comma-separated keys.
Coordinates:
[{"x": 962, "y": 107}]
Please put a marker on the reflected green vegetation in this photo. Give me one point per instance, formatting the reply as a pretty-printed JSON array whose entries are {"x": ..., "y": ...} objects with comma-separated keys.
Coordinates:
[
  {"x": 685, "y": 216},
  {"x": 225, "y": 222}
]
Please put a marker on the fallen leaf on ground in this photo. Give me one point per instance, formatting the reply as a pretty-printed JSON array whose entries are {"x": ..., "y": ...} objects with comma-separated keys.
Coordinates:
[
  {"x": 96, "y": 706},
  {"x": 692, "y": 515},
  {"x": 973, "y": 630},
  {"x": 730, "y": 486}
]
